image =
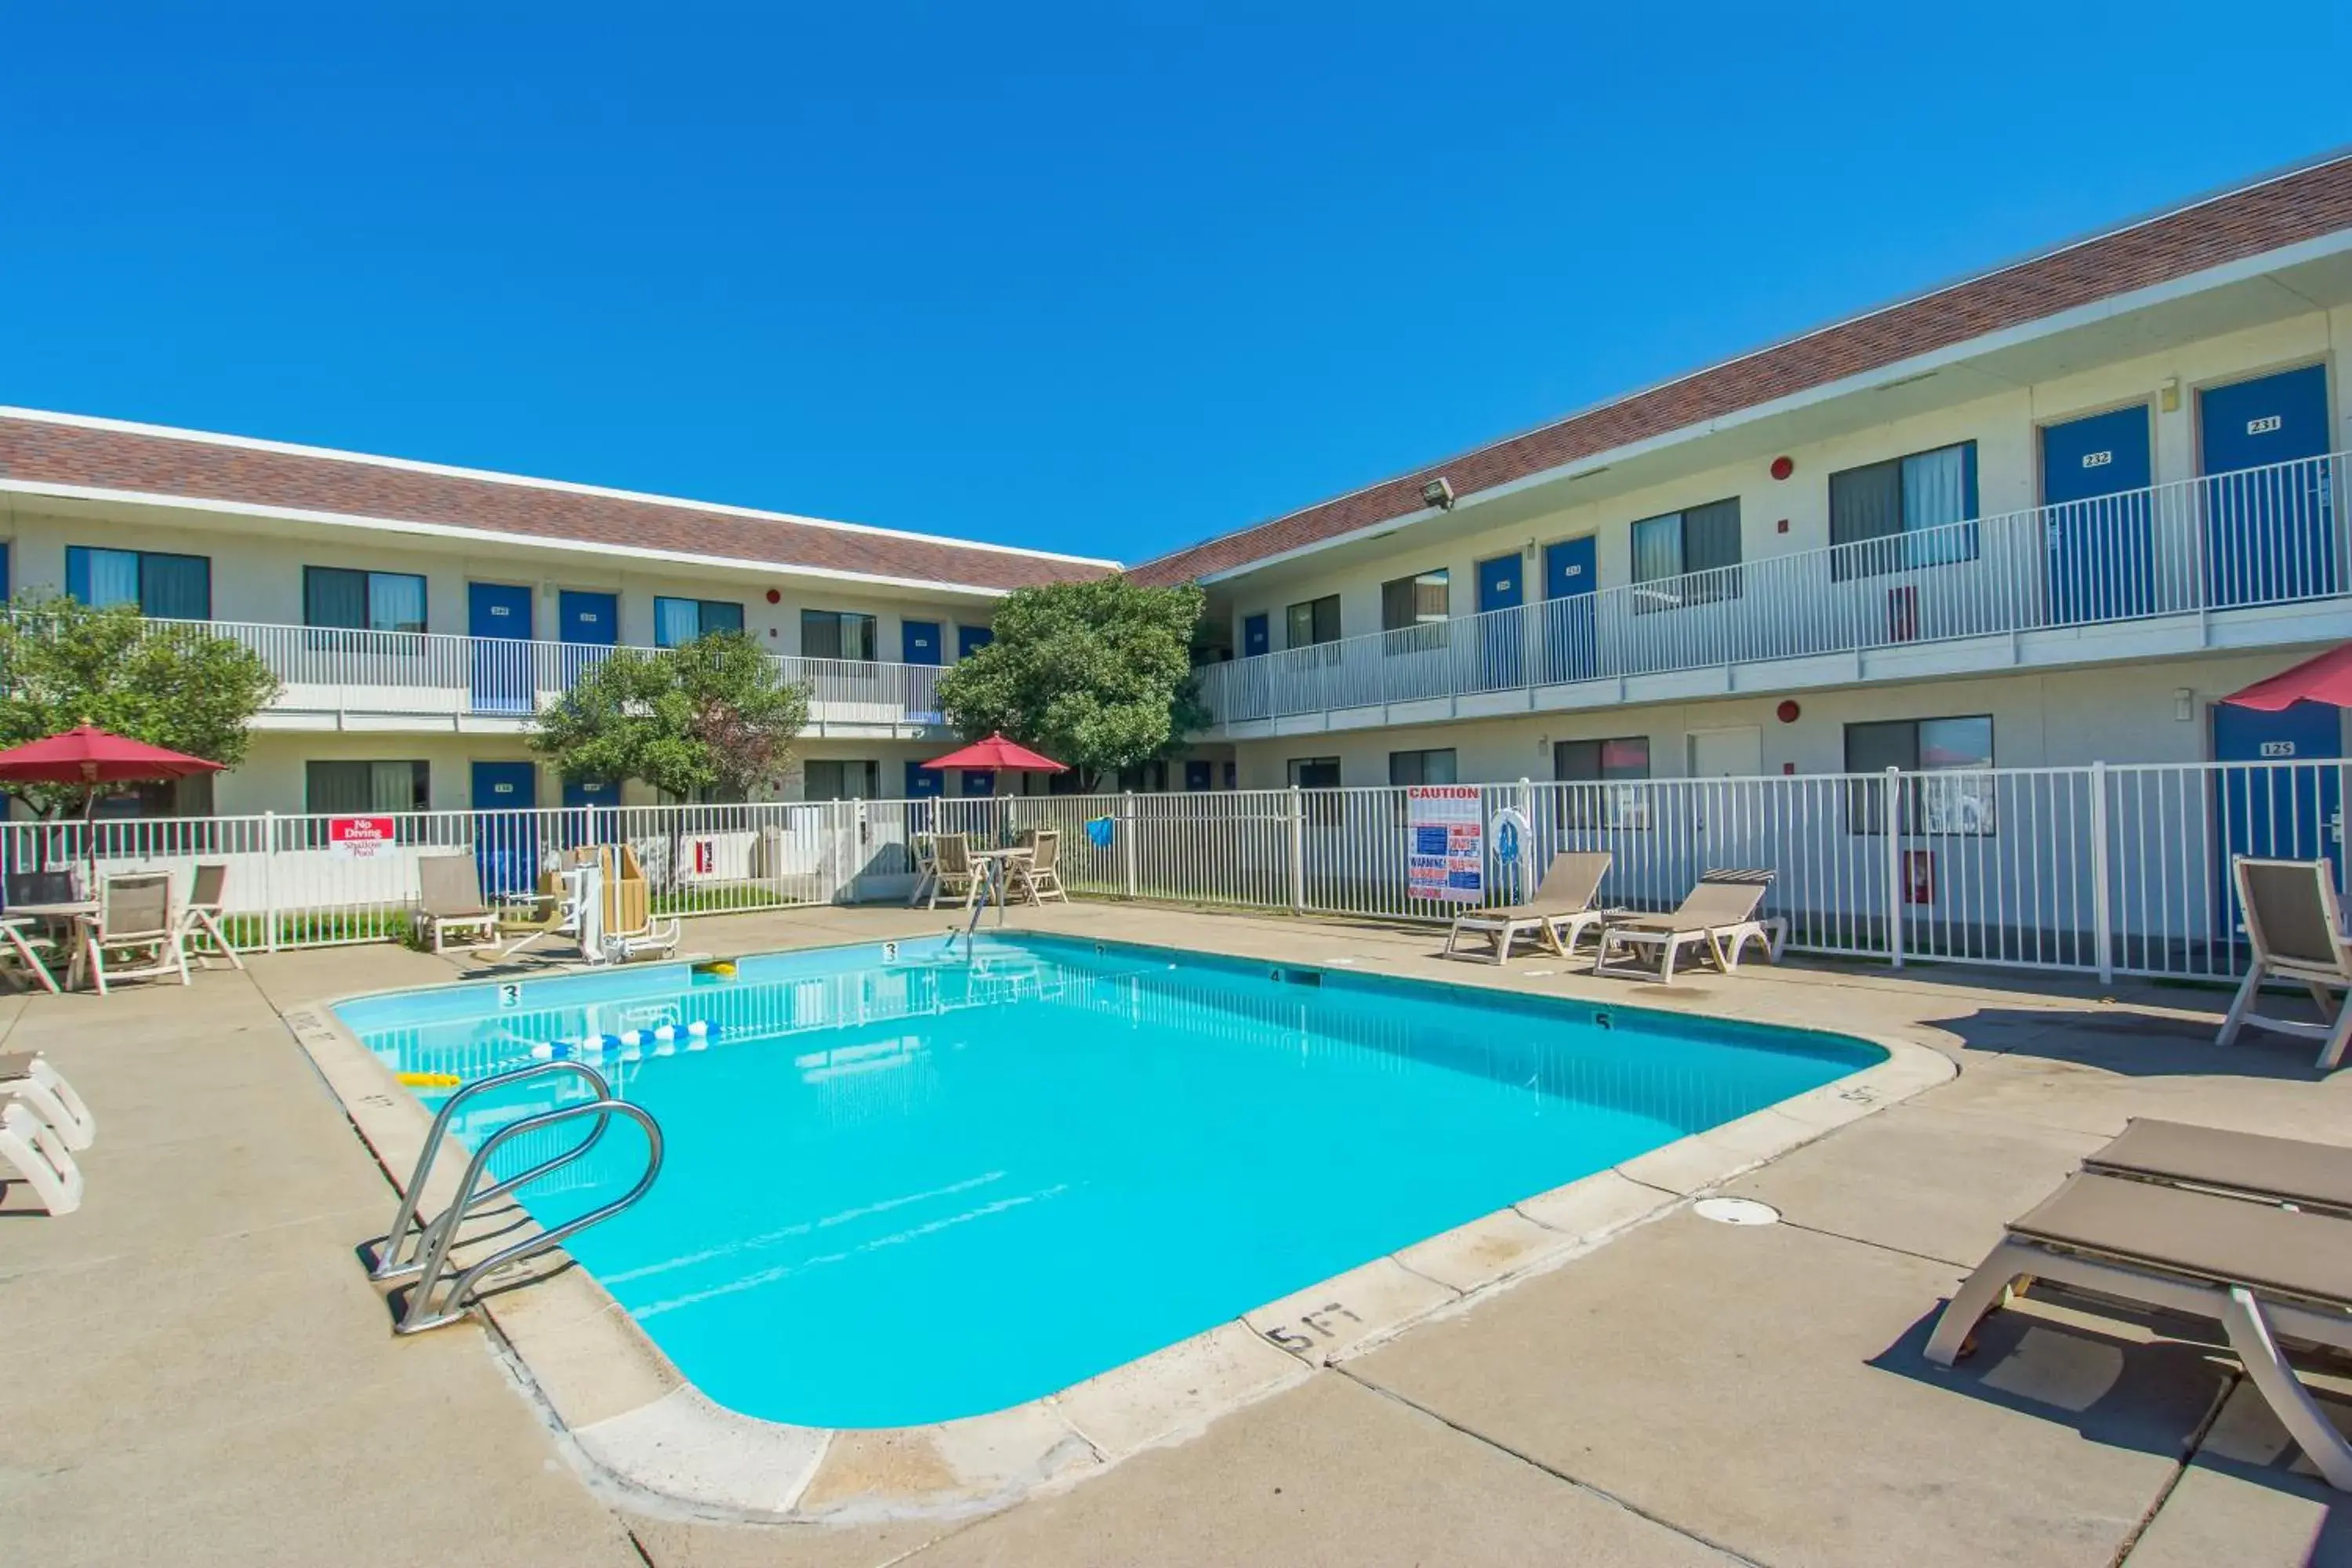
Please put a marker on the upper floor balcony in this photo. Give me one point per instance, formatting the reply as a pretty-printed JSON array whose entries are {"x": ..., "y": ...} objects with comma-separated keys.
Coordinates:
[
  {"x": 335, "y": 678},
  {"x": 2240, "y": 560}
]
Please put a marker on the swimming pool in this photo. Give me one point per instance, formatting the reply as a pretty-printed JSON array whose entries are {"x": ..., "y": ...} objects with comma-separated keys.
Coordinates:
[{"x": 903, "y": 1187}]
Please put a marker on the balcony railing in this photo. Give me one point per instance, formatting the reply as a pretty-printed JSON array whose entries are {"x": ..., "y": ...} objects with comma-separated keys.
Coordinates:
[
  {"x": 433, "y": 675},
  {"x": 2273, "y": 535}
]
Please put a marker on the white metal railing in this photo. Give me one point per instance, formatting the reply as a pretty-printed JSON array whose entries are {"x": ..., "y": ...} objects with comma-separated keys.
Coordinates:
[
  {"x": 2104, "y": 869},
  {"x": 2263, "y": 536},
  {"x": 435, "y": 674}
]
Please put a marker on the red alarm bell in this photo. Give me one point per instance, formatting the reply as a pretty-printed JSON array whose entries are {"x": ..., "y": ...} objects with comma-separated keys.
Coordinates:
[{"x": 1783, "y": 467}]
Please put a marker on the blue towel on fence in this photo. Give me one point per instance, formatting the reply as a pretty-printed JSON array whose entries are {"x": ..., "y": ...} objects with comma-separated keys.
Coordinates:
[{"x": 1098, "y": 832}]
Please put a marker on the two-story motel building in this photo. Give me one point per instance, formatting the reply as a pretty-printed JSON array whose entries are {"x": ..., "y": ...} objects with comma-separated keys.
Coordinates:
[{"x": 2044, "y": 515}]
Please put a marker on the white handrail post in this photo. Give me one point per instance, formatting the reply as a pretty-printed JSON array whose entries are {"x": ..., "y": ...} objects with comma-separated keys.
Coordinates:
[
  {"x": 2102, "y": 938},
  {"x": 1890, "y": 819},
  {"x": 269, "y": 879},
  {"x": 1126, "y": 840},
  {"x": 1297, "y": 852}
]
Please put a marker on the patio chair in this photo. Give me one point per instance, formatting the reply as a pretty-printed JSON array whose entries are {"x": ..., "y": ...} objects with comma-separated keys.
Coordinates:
[
  {"x": 449, "y": 901},
  {"x": 2315, "y": 1177},
  {"x": 27, "y": 1075},
  {"x": 920, "y": 846},
  {"x": 2297, "y": 933},
  {"x": 629, "y": 918},
  {"x": 200, "y": 916},
  {"x": 1561, "y": 902},
  {"x": 134, "y": 917},
  {"x": 53, "y": 885},
  {"x": 1036, "y": 876},
  {"x": 26, "y": 942},
  {"x": 34, "y": 1152},
  {"x": 2259, "y": 1268},
  {"x": 1718, "y": 918},
  {"x": 953, "y": 872}
]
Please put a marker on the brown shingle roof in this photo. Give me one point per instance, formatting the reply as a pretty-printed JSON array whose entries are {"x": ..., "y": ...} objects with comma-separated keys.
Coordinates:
[
  {"x": 163, "y": 463},
  {"x": 2304, "y": 205}
]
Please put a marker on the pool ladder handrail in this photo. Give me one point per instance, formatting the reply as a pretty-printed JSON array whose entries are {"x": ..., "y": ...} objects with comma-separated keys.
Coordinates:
[
  {"x": 419, "y": 1314},
  {"x": 390, "y": 1264},
  {"x": 995, "y": 884}
]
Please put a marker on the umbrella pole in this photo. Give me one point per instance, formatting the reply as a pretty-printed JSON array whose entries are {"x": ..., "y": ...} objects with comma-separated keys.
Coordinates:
[{"x": 90, "y": 840}]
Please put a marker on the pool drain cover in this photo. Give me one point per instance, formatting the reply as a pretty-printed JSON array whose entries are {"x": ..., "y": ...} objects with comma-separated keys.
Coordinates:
[{"x": 1737, "y": 1211}]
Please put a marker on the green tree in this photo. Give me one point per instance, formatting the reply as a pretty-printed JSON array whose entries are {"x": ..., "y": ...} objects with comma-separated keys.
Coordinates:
[
  {"x": 167, "y": 683},
  {"x": 715, "y": 715},
  {"x": 1096, "y": 675}
]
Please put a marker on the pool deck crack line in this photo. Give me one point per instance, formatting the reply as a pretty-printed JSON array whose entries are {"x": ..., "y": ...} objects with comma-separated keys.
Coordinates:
[
  {"x": 2188, "y": 1447},
  {"x": 1454, "y": 1291},
  {"x": 1732, "y": 1553}
]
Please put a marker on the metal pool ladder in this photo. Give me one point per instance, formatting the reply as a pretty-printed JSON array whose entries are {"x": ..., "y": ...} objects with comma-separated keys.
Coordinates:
[{"x": 427, "y": 1259}]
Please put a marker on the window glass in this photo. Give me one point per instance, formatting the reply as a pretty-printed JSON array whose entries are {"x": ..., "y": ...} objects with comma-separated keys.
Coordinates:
[
  {"x": 677, "y": 622},
  {"x": 1950, "y": 789},
  {"x": 720, "y": 616},
  {"x": 1429, "y": 767},
  {"x": 836, "y": 634},
  {"x": 1658, "y": 548},
  {"x": 1876, "y": 508},
  {"x": 396, "y": 602},
  {"x": 1315, "y": 772},
  {"x": 1599, "y": 763},
  {"x": 176, "y": 587},
  {"x": 830, "y": 779},
  {"x": 1311, "y": 622},
  {"x": 102, "y": 578},
  {"x": 367, "y": 788},
  {"x": 339, "y": 598},
  {"x": 1688, "y": 557},
  {"x": 1419, "y": 600}
]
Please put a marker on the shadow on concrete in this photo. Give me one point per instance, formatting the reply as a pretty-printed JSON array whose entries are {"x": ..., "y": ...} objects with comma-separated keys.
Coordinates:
[{"x": 2140, "y": 1045}]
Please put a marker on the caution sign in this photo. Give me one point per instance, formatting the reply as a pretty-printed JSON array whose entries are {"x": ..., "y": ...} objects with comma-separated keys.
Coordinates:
[{"x": 1446, "y": 858}]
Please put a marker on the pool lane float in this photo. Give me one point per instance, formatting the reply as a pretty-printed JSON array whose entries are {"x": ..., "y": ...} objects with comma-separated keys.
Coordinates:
[{"x": 430, "y": 1080}]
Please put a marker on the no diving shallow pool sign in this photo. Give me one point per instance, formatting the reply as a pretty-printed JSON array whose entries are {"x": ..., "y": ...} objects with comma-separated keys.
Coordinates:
[
  {"x": 1447, "y": 851},
  {"x": 358, "y": 837}
]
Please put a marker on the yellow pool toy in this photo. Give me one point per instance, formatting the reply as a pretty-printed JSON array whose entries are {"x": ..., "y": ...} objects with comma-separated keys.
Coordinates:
[
  {"x": 430, "y": 1081},
  {"x": 724, "y": 970}
]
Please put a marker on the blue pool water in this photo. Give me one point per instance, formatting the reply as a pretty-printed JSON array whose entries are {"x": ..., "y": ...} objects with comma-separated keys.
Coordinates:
[{"x": 908, "y": 1189}]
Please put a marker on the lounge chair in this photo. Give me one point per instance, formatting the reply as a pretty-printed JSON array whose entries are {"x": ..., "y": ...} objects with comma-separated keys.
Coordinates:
[
  {"x": 1562, "y": 903},
  {"x": 1718, "y": 918},
  {"x": 1036, "y": 876},
  {"x": 26, "y": 1075},
  {"x": 2297, "y": 933},
  {"x": 2259, "y": 1268},
  {"x": 200, "y": 916},
  {"x": 35, "y": 1152},
  {"x": 952, "y": 874},
  {"x": 449, "y": 901},
  {"x": 134, "y": 916},
  {"x": 2313, "y": 1176},
  {"x": 29, "y": 942}
]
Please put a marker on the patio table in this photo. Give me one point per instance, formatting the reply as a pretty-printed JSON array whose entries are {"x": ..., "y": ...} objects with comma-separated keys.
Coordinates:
[{"x": 69, "y": 913}]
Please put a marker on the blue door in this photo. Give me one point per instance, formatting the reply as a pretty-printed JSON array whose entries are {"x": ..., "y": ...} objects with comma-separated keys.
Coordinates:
[
  {"x": 2269, "y": 534},
  {"x": 2094, "y": 480},
  {"x": 1502, "y": 639},
  {"x": 588, "y": 813},
  {"x": 979, "y": 783},
  {"x": 970, "y": 640},
  {"x": 1572, "y": 572},
  {"x": 1254, "y": 637},
  {"x": 924, "y": 784},
  {"x": 1197, "y": 775},
  {"x": 918, "y": 642},
  {"x": 2286, "y": 802},
  {"x": 586, "y": 624},
  {"x": 497, "y": 617},
  {"x": 505, "y": 830}
]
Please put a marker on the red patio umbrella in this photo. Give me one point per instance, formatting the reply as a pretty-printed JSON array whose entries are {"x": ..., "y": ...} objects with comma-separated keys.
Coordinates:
[
  {"x": 1000, "y": 755},
  {"x": 2327, "y": 679},
  {"x": 89, "y": 756}
]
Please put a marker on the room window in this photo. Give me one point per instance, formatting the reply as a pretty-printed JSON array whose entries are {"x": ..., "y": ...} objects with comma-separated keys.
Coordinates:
[
  {"x": 1948, "y": 786},
  {"x": 346, "y": 600},
  {"x": 1688, "y": 557},
  {"x": 1431, "y": 767},
  {"x": 1315, "y": 772},
  {"x": 189, "y": 796},
  {"x": 1905, "y": 512},
  {"x": 367, "y": 789},
  {"x": 174, "y": 587},
  {"x": 836, "y": 634},
  {"x": 678, "y": 622},
  {"x": 1603, "y": 774},
  {"x": 1146, "y": 778},
  {"x": 835, "y": 779},
  {"x": 1414, "y": 611},
  {"x": 1315, "y": 621}
]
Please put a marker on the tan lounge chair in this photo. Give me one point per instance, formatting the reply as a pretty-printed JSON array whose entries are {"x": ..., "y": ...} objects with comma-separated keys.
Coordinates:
[
  {"x": 1556, "y": 914},
  {"x": 449, "y": 901},
  {"x": 1036, "y": 876},
  {"x": 134, "y": 916},
  {"x": 28, "y": 1076},
  {"x": 26, "y": 940},
  {"x": 2315, "y": 1177},
  {"x": 2262, "y": 1270},
  {"x": 1718, "y": 918},
  {"x": 200, "y": 916},
  {"x": 952, "y": 875},
  {"x": 2297, "y": 933}
]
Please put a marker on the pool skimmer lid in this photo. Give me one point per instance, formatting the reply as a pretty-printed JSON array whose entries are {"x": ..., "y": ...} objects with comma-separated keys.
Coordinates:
[{"x": 1735, "y": 1211}]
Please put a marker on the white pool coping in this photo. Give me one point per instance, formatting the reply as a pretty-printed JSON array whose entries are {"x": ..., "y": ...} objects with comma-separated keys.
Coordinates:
[{"x": 645, "y": 1429}]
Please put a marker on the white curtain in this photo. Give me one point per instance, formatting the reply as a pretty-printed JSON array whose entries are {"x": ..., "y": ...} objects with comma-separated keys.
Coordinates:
[
  {"x": 113, "y": 578},
  {"x": 396, "y": 602},
  {"x": 1935, "y": 494},
  {"x": 1658, "y": 548},
  {"x": 677, "y": 622}
]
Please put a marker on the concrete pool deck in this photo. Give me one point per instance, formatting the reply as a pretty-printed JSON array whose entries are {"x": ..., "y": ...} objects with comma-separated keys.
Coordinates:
[{"x": 205, "y": 1375}]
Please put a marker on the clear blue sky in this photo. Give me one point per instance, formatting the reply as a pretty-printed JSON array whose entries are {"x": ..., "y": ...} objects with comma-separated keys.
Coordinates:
[{"x": 1106, "y": 279}]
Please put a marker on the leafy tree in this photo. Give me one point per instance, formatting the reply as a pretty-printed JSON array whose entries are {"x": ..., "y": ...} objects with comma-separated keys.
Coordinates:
[
  {"x": 716, "y": 714},
  {"x": 167, "y": 683},
  {"x": 1096, "y": 675}
]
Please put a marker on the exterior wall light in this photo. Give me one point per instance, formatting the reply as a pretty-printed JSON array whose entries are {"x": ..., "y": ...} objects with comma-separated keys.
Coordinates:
[{"x": 1439, "y": 493}]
